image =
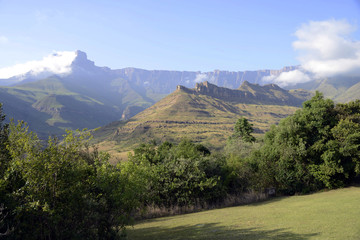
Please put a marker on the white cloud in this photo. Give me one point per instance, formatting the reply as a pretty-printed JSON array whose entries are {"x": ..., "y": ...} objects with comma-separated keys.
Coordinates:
[
  {"x": 288, "y": 78},
  {"x": 200, "y": 77},
  {"x": 57, "y": 63},
  {"x": 325, "y": 40},
  {"x": 3, "y": 40},
  {"x": 325, "y": 50}
]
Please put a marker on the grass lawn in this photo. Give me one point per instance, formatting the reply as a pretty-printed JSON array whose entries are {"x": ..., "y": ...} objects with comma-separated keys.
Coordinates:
[{"x": 327, "y": 215}]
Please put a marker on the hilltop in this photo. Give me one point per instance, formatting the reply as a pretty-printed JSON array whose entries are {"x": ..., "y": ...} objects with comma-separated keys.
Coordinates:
[
  {"x": 205, "y": 114},
  {"x": 270, "y": 94}
]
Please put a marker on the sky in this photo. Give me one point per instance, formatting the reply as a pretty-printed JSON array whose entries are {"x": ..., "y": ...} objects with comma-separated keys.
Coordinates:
[{"x": 322, "y": 36}]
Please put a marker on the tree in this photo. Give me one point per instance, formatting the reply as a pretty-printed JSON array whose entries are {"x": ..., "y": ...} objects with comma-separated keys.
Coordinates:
[
  {"x": 6, "y": 218},
  {"x": 63, "y": 190},
  {"x": 181, "y": 175},
  {"x": 243, "y": 130},
  {"x": 316, "y": 147}
]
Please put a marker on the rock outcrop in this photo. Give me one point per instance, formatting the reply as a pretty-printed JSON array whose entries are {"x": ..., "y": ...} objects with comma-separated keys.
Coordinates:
[{"x": 270, "y": 94}]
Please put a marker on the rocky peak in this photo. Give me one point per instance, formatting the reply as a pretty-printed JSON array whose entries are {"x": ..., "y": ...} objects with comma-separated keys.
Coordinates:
[
  {"x": 273, "y": 86},
  {"x": 246, "y": 84},
  {"x": 204, "y": 87},
  {"x": 249, "y": 93},
  {"x": 213, "y": 90},
  {"x": 82, "y": 61},
  {"x": 181, "y": 88}
]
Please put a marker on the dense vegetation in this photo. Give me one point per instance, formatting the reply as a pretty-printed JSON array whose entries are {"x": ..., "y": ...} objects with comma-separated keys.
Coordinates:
[
  {"x": 61, "y": 191},
  {"x": 316, "y": 147},
  {"x": 66, "y": 190},
  {"x": 181, "y": 174}
]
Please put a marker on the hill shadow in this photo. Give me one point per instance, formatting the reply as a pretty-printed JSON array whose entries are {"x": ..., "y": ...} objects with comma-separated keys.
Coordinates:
[{"x": 214, "y": 231}]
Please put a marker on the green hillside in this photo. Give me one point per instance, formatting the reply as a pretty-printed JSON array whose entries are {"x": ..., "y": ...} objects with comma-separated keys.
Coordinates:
[
  {"x": 339, "y": 88},
  {"x": 54, "y": 104},
  {"x": 327, "y": 215},
  {"x": 350, "y": 94},
  {"x": 49, "y": 108},
  {"x": 206, "y": 116},
  {"x": 18, "y": 105}
]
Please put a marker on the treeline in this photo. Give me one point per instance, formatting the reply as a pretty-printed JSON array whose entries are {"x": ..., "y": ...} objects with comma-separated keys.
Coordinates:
[{"x": 67, "y": 190}]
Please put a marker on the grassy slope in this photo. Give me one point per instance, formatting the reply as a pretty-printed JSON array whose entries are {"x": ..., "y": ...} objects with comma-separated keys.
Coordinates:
[
  {"x": 49, "y": 107},
  {"x": 351, "y": 94},
  {"x": 328, "y": 215},
  {"x": 340, "y": 89},
  {"x": 200, "y": 118}
]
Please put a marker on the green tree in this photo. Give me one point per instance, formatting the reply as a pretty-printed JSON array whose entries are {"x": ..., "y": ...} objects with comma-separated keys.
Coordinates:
[
  {"x": 243, "y": 130},
  {"x": 6, "y": 203},
  {"x": 63, "y": 190},
  {"x": 4, "y": 139},
  {"x": 314, "y": 148},
  {"x": 183, "y": 174}
]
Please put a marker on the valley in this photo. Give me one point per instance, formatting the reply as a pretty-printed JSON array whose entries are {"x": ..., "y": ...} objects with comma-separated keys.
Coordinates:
[
  {"x": 88, "y": 96},
  {"x": 179, "y": 120}
]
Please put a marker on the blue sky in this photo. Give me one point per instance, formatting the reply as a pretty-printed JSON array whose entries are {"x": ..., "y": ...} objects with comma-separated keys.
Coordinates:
[{"x": 189, "y": 35}]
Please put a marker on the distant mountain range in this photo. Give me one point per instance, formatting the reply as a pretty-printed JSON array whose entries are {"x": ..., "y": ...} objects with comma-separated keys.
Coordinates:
[
  {"x": 78, "y": 94},
  {"x": 159, "y": 81}
]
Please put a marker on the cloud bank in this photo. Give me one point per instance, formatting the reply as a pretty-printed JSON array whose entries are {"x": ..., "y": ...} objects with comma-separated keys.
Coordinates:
[
  {"x": 288, "y": 78},
  {"x": 57, "y": 63},
  {"x": 325, "y": 50}
]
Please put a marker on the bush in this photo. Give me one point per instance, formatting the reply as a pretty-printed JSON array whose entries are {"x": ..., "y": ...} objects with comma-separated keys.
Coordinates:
[
  {"x": 316, "y": 147},
  {"x": 181, "y": 175},
  {"x": 63, "y": 190}
]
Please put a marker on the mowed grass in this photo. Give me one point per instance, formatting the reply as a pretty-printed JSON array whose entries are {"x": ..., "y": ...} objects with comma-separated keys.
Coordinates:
[{"x": 327, "y": 215}]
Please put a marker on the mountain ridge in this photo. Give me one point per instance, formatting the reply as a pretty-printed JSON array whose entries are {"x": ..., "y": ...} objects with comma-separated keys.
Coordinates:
[
  {"x": 111, "y": 95},
  {"x": 81, "y": 64},
  {"x": 205, "y": 114},
  {"x": 270, "y": 94}
]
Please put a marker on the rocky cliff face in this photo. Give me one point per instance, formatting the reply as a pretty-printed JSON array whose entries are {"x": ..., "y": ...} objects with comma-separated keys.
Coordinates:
[
  {"x": 162, "y": 81},
  {"x": 270, "y": 94},
  {"x": 83, "y": 70}
]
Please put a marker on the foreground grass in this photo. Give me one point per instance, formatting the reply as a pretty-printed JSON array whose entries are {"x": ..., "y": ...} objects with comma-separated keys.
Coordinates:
[{"x": 327, "y": 215}]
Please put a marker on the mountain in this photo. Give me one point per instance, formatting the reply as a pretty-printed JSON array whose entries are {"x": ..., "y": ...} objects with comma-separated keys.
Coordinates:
[
  {"x": 248, "y": 93},
  {"x": 66, "y": 90},
  {"x": 86, "y": 96},
  {"x": 205, "y": 114},
  {"x": 339, "y": 88},
  {"x": 159, "y": 81}
]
